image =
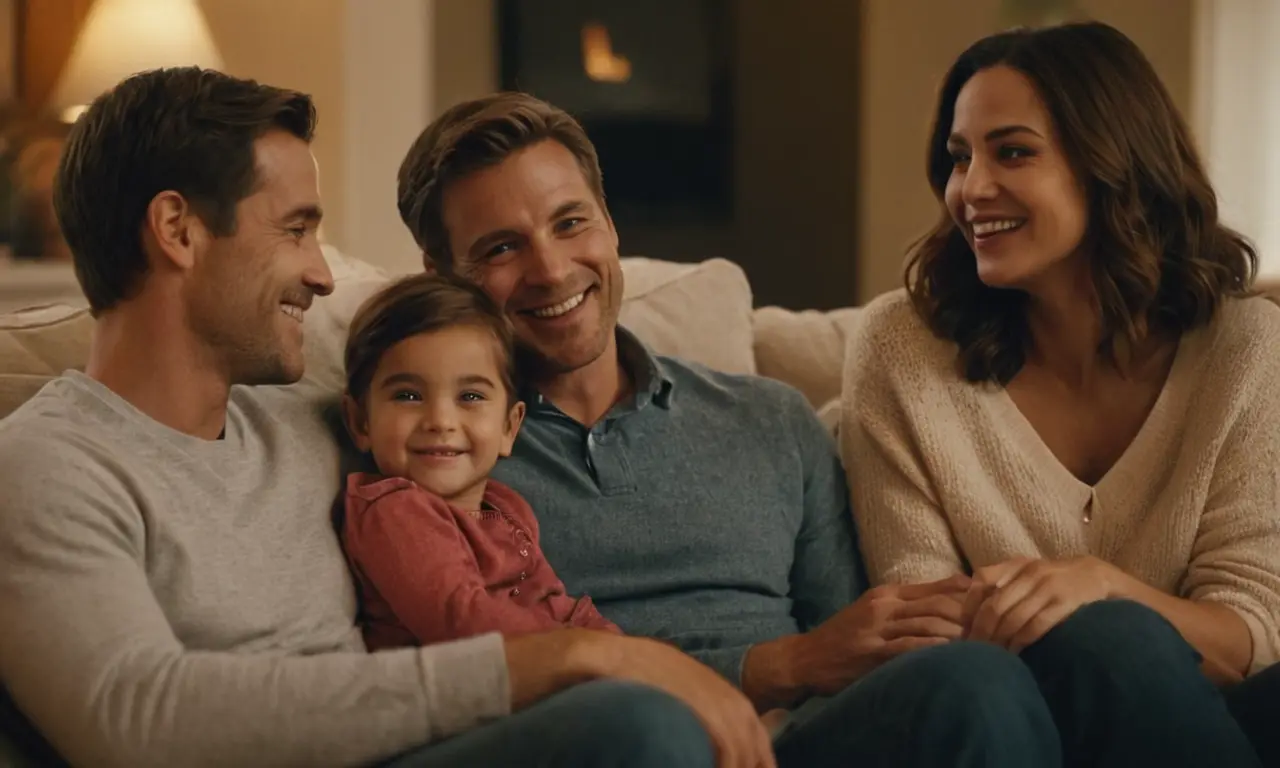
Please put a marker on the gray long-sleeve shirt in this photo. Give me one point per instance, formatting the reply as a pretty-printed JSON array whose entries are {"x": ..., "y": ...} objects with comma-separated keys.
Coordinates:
[
  {"x": 710, "y": 509},
  {"x": 168, "y": 600}
]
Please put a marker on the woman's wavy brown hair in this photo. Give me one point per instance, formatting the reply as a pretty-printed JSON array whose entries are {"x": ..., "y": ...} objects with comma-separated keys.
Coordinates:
[{"x": 1161, "y": 260}]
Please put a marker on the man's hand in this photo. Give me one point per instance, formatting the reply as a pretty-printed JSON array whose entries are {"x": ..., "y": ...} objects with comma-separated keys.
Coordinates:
[
  {"x": 546, "y": 663},
  {"x": 1015, "y": 603},
  {"x": 885, "y": 622}
]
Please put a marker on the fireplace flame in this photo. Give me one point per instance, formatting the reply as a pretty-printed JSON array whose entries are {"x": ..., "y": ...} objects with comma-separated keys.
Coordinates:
[{"x": 598, "y": 59}]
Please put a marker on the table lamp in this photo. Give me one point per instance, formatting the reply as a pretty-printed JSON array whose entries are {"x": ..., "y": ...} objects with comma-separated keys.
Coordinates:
[{"x": 124, "y": 37}]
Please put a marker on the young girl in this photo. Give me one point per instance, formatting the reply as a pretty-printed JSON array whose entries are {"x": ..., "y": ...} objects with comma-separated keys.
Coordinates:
[{"x": 440, "y": 551}]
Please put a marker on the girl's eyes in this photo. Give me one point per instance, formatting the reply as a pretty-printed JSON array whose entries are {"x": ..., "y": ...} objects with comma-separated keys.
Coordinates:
[{"x": 414, "y": 396}]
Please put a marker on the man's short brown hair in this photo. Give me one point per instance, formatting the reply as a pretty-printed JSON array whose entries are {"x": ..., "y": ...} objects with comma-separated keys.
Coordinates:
[
  {"x": 474, "y": 135},
  {"x": 416, "y": 304},
  {"x": 184, "y": 129}
]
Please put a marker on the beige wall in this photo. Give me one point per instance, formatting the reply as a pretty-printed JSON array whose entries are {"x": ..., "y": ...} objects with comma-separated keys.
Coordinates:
[
  {"x": 293, "y": 44},
  {"x": 908, "y": 46},
  {"x": 368, "y": 66},
  {"x": 1237, "y": 116},
  {"x": 387, "y": 80},
  {"x": 464, "y": 51}
]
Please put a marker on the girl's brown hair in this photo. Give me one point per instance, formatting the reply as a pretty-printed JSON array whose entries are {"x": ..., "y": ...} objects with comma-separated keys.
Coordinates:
[{"x": 422, "y": 303}]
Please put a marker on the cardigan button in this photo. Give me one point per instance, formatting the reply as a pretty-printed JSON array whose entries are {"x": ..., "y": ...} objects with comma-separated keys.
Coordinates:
[
  {"x": 515, "y": 592},
  {"x": 524, "y": 552}
]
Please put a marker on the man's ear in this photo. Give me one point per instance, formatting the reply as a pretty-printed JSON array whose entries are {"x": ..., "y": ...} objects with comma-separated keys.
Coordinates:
[
  {"x": 514, "y": 419},
  {"x": 174, "y": 231},
  {"x": 429, "y": 264},
  {"x": 353, "y": 417}
]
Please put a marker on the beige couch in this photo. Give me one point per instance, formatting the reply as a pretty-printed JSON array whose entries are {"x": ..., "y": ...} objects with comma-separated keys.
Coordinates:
[
  {"x": 702, "y": 312},
  {"x": 23, "y": 282}
]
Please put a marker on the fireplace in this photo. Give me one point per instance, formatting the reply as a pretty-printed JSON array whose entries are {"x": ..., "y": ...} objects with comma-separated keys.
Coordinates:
[
  {"x": 651, "y": 84},
  {"x": 726, "y": 128}
]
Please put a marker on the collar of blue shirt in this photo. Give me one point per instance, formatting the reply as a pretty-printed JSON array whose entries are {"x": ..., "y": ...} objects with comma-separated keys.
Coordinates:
[{"x": 654, "y": 382}]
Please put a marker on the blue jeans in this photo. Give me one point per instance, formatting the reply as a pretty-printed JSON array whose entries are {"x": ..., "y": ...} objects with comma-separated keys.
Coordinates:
[
  {"x": 1126, "y": 689},
  {"x": 603, "y": 724},
  {"x": 1113, "y": 685},
  {"x": 962, "y": 704},
  {"x": 1255, "y": 704}
]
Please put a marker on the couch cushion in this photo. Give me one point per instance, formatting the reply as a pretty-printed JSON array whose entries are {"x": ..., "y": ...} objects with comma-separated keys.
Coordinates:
[
  {"x": 324, "y": 328},
  {"x": 804, "y": 349},
  {"x": 44, "y": 340},
  {"x": 38, "y": 344},
  {"x": 698, "y": 311},
  {"x": 26, "y": 284}
]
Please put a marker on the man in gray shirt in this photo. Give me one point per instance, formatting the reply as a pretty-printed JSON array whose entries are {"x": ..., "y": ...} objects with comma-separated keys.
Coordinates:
[
  {"x": 171, "y": 586},
  {"x": 703, "y": 508}
]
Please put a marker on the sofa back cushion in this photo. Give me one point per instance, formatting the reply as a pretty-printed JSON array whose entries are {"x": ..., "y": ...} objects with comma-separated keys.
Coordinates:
[
  {"x": 804, "y": 349},
  {"x": 38, "y": 344},
  {"x": 698, "y": 311}
]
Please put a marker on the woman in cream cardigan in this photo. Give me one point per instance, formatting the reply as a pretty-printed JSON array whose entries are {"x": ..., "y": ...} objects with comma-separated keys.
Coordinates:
[{"x": 1077, "y": 402}]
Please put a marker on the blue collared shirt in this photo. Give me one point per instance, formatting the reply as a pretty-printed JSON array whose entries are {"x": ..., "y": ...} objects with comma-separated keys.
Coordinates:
[{"x": 708, "y": 509}]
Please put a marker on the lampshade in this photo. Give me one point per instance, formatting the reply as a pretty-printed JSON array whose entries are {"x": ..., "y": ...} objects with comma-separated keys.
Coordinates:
[{"x": 124, "y": 37}]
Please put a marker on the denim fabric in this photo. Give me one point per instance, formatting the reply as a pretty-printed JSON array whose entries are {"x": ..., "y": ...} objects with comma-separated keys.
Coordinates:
[
  {"x": 1126, "y": 689},
  {"x": 960, "y": 705},
  {"x": 595, "y": 725}
]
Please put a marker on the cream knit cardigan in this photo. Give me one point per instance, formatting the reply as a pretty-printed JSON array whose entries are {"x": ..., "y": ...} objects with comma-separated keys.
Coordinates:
[{"x": 947, "y": 476}]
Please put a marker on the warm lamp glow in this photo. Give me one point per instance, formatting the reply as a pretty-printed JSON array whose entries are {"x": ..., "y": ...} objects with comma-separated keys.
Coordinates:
[
  {"x": 123, "y": 37},
  {"x": 71, "y": 114}
]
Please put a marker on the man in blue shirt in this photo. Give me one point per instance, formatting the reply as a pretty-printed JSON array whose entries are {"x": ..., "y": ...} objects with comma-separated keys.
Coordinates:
[{"x": 699, "y": 507}]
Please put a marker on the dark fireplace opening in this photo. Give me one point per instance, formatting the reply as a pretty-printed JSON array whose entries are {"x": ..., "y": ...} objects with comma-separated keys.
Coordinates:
[{"x": 651, "y": 83}]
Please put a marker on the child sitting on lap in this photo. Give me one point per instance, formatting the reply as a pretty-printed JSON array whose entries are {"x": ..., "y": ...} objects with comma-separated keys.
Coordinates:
[{"x": 440, "y": 551}]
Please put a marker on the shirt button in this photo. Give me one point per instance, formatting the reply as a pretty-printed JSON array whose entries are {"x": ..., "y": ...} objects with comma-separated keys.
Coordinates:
[{"x": 515, "y": 592}]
